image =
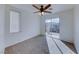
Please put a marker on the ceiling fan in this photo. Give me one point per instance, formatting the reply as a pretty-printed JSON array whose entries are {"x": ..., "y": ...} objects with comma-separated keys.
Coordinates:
[{"x": 42, "y": 9}]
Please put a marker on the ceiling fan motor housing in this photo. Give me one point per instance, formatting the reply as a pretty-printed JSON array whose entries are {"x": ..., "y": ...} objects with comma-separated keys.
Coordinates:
[{"x": 41, "y": 9}]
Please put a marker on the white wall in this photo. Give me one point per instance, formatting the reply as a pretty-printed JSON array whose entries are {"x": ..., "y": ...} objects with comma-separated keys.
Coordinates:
[
  {"x": 66, "y": 24},
  {"x": 76, "y": 27},
  {"x": 29, "y": 27},
  {"x": 2, "y": 18},
  {"x": 42, "y": 25}
]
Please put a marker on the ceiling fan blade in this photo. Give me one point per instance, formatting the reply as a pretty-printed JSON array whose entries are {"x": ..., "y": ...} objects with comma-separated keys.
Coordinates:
[
  {"x": 36, "y": 7},
  {"x": 36, "y": 11},
  {"x": 50, "y": 8},
  {"x": 48, "y": 11},
  {"x": 47, "y": 6}
]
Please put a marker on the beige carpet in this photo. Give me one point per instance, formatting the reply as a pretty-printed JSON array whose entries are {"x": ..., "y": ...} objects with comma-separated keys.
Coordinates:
[{"x": 37, "y": 45}]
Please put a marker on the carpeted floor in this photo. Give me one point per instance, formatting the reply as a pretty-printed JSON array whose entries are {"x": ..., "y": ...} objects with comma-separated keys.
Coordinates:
[{"x": 37, "y": 45}]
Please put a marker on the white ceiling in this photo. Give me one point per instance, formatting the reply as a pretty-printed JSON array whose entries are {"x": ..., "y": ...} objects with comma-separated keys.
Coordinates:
[
  {"x": 61, "y": 7},
  {"x": 55, "y": 7}
]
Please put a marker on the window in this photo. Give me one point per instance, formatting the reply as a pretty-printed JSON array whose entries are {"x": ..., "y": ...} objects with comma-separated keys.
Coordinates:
[
  {"x": 48, "y": 21},
  {"x": 14, "y": 21},
  {"x": 55, "y": 25},
  {"x": 52, "y": 25}
]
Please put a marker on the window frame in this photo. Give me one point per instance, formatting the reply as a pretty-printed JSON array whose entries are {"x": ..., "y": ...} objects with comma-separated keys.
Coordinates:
[{"x": 11, "y": 10}]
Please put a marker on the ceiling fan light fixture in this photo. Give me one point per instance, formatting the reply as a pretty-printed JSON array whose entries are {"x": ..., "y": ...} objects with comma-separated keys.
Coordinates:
[{"x": 41, "y": 13}]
